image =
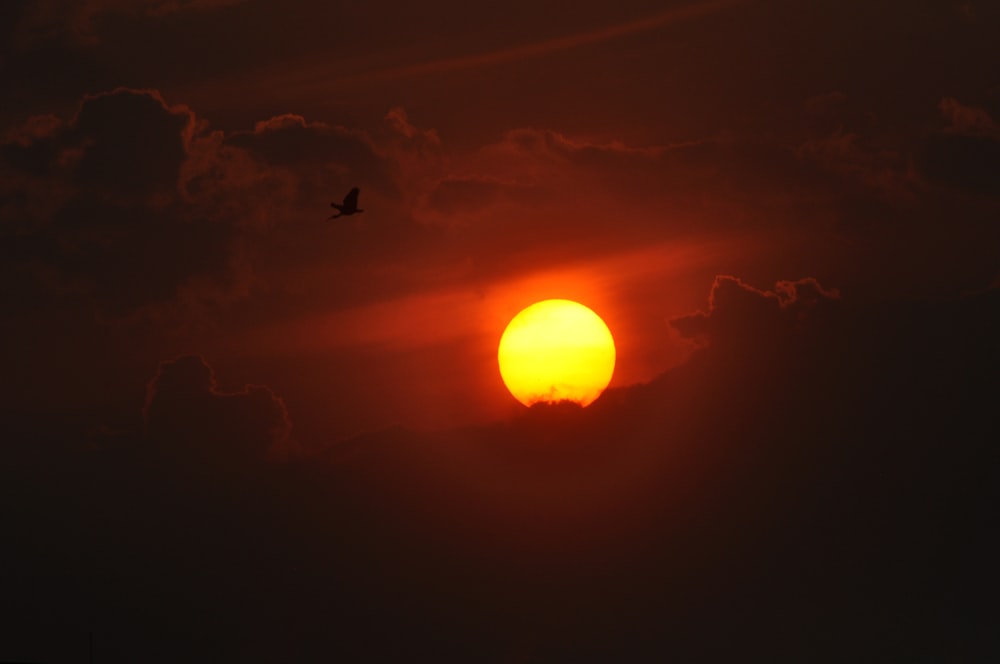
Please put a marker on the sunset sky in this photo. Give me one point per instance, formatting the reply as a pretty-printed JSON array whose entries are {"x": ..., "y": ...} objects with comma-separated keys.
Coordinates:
[{"x": 785, "y": 212}]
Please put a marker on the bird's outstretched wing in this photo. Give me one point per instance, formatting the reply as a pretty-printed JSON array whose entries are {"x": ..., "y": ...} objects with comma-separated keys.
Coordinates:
[{"x": 351, "y": 199}]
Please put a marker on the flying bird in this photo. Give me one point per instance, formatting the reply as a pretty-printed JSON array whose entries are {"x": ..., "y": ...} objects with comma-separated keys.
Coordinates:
[{"x": 349, "y": 206}]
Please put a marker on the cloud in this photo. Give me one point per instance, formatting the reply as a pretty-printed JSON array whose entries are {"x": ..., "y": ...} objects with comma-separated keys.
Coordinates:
[
  {"x": 399, "y": 121},
  {"x": 319, "y": 154},
  {"x": 966, "y": 154},
  {"x": 820, "y": 465},
  {"x": 135, "y": 204},
  {"x": 96, "y": 201},
  {"x": 552, "y": 146},
  {"x": 856, "y": 169},
  {"x": 126, "y": 143},
  {"x": 532, "y": 174},
  {"x": 966, "y": 119},
  {"x": 289, "y": 138},
  {"x": 131, "y": 141},
  {"x": 737, "y": 492},
  {"x": 135, "y": 208},
  {"x": 185, "y": 409},
  {"x": 719, "y": 179},
  {"x": 740, "y": 315}
]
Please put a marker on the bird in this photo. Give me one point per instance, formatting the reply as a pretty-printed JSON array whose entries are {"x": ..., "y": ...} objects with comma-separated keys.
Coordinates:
[{"x": 349, "y": 206}]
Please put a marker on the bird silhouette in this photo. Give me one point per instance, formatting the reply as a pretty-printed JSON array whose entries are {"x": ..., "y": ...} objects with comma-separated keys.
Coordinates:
[{"x": 349, "y": 206}]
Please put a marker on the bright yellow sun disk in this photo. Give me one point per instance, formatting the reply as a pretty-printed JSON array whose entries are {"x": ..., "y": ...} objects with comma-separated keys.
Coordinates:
[{"x": 556, "y": 350}]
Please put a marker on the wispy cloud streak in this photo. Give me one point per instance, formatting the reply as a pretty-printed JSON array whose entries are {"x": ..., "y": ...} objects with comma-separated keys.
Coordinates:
[{"x": 538, "y": 49}]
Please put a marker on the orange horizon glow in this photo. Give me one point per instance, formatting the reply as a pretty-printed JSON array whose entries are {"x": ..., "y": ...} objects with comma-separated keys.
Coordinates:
[{"x": 556, "y": 350}]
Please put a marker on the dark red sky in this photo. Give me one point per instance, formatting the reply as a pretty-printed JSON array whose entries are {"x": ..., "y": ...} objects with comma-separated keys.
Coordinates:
[{"x": 166, "y": 168}]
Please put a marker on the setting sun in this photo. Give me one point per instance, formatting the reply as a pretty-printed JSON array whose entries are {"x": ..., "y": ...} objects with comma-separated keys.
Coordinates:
[{"x": 556, "y": 350}]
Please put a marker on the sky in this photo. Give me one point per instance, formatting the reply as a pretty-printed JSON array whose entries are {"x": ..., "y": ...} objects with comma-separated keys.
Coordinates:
[{"x": 235, "y": 427}]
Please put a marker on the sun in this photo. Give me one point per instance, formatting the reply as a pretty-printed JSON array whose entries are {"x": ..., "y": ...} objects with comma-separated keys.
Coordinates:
[{"x": 556, "y": 350}]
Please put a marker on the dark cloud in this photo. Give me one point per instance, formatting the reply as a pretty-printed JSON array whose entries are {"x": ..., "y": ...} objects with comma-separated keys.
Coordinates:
[
  {"x": 549, "y": 145},
  {"x": 121, "y": 146},
  {"x": 847, "y": 192},
  {"x": 130, "y": 141},
  {"x": 424, "y": 139},
  {"x": 966, "y": 155},
  {"x": 966, "y": 119},
  {"x": 185, "y": 409},
  {"x": 554, "y": 143},
  {"x": 318, "y": 151},
  {"x": 740, "y": 314},
  {"x": 96, "y": 203},
  {"x": 31, "y": 148},
  {"x": 838, "y": 482},
  {"x": 720, "y": 179}
]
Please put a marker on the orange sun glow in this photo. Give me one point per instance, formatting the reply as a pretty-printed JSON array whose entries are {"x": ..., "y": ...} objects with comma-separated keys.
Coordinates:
[{"x": 556, "y": 350}]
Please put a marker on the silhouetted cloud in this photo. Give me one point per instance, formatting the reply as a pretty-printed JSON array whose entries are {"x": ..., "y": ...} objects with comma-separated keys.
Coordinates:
[
  {"x": 95, "y": 200},
  {"x": 399, "y": 121},
  {"x": 739, "y": 313},
  {"x": 966, "y": 155},
  {"x": 966, "y": 119},
  {"x": 130, "y": 141},
  {"x": 130, "y": 202},
  {"x": 125, "y": 143},
  {"x": 845, "y": 467},
  {"x": 185, "y": 409},
  {"x": 317, "y": 149},
  {"x": 718, "y": 179}
]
